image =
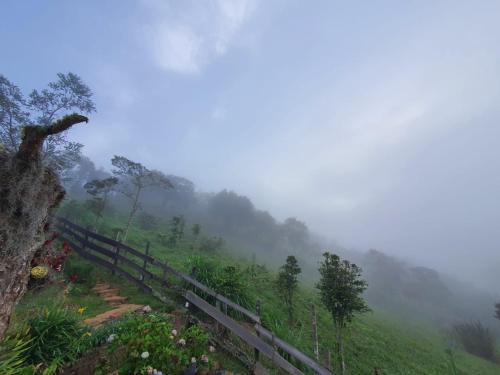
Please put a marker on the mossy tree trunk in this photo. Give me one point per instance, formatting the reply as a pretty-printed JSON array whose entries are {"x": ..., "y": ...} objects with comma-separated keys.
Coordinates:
[{"x": 28, "y": 190}]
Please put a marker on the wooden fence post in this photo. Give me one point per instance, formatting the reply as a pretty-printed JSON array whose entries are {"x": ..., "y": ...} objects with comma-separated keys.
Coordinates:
[
  {"x": 256, "y": 351},
  {"x": 164, "y": 278},
  {"x": 217, "y": 305},
  {"x": 117, "y": 253},
  {"x": 315, "y": 332},
  {"x": 145, "y": 264}
]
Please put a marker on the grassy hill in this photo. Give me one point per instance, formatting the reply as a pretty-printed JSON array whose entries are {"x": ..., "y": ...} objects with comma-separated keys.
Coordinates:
[{"x": 374, "y": 340}]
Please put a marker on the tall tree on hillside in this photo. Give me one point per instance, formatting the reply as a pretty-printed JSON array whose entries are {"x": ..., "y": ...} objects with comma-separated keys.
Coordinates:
[
  {"x": 497, "y": 310},
  {"x": 28, "y": 190},
  {"x": 287, "y": 283},
  {"x": 196, "y": 229},
  {"x": 100, "y": 190},
  {"x": 341, "y": 289},
  {"x": 138, "y": 178},
  {"x": 67, "y": 94}
]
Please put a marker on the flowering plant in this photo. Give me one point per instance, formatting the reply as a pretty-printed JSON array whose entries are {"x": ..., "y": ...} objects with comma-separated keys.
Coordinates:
[{"x": 150, "y": 345}]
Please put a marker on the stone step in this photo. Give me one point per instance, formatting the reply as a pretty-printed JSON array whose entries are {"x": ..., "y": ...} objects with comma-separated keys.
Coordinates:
[
  {"x": 99, "y": 287},
  {"x": 115, "y": 299},
  {"x": 108, "y": 292},
  {"x": 96, "y": 321}
]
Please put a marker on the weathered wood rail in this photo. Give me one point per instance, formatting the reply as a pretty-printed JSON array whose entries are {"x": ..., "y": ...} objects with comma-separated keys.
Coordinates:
[{"x": 142, "y": 268}]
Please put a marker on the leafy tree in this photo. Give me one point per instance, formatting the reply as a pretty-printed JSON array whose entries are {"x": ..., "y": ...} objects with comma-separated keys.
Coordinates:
[
  {"x": 99, "y": 190},
  {"x": 147, "y": 221},
  {"x": 139, "y": 178},
  {"x": 211, "y": 244},
  {"x": 476, "y": 339},
  {"x": 61, "y": 97},
  {"x": 341, "y": 288},
  {"x": 196, "y": 229},
  {"x": 287, "y": 283},
  {"x": 497, "y": 310}
]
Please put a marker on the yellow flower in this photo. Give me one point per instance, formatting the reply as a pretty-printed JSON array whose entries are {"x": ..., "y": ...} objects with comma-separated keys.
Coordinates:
[
  {"x": 81, "y": 310},
  {"x": 87, "y": 334},
  {"x": 39, "y": 272}
]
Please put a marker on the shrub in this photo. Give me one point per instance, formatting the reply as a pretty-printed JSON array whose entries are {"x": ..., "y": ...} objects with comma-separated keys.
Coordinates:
[
  {"x": 476, "y": 339},
  {"x": 56, "y": 336},
  {"x": 149, "y": 341},
  {"x": 13, "y": 354},
  {"x": 227, "y": 280},
  {"x": 211, "y": 244},
  {"x": 84, "y": 272}
]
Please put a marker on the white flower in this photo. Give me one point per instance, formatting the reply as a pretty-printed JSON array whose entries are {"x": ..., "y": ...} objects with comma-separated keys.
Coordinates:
[
  {"x": 111, "y": 338},
  {"x": 171, "y": 337},
  {"x": 211, "y": 349},
  {"x": 193, "y": 359},
  {"x": 146, "y": 309},
  {"x": 204, "y": 358},
  {"x": 182, "y": 342},
  {"x": 144, "y": 355},
  {"x": 174, "y": 332},
  {"x": 187, "y": 305}
]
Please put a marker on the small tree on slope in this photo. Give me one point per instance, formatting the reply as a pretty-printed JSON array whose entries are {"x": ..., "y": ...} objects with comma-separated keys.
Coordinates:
[
  {"x": 341, "y": 288},
  {"x": 139, "y": 178},
  {"x": 497, "y": 310},
  {"x": 287, "y": 283},
  {"x": 99, "y": 190}
]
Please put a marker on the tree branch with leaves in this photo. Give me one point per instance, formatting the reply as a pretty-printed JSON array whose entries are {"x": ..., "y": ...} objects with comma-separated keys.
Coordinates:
[{"x": 136, "y": 177}]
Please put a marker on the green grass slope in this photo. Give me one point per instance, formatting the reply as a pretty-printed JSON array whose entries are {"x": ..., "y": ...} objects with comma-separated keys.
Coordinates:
[{"x": 374, "y": 340}]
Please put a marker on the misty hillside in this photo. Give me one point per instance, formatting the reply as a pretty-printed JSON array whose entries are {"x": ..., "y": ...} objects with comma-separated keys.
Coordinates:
[
  {"x": 237, "y": 187},
  {"x": 396, "y": 286}
]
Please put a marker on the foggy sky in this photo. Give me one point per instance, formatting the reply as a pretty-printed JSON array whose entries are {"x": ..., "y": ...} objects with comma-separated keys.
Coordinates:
[{"x": 375, "y": 122}]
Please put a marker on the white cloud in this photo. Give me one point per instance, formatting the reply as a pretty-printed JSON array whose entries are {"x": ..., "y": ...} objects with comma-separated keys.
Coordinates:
[
  {"x": 184, "y": 39},
  {"x": 178, "y": 49}
]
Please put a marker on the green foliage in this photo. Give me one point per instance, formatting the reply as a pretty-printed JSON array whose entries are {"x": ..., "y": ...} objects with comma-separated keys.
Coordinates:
[
  {"x": 225, "y": 280},
  {"x": 61, "y": 97},
  {"x": 85, "y": 273},
  {"x": 341, "y": 288},
  {"x": 211, "y": 244},
  {"x": 13, "y": 354},
  {"x": 99, "y": 190},
  {"x": 149, "y": 340},
  {"x": 476, "y": 339},
  {"x": 57, "y": 334},
  {"x": 287, "y": 283},
  {"x": 196, "y": 229},
  {"x": 147, "y": 221}
]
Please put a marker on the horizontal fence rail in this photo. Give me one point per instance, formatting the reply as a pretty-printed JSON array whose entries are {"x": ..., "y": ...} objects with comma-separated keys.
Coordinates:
[{"x": 91, "y": 246}]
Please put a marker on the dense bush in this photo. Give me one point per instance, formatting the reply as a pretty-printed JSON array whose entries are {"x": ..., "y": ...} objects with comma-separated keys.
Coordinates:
[
  {"x": 13, "y": 354},
  {"x": 151, "y": 342},
  {"x": 79, "y": 272},
  {"x": 57, "y": 335},
  {"x": 476, "y": 339},
  {"x": 211, "y": 244},
  {"x": 227, "y": 280}
]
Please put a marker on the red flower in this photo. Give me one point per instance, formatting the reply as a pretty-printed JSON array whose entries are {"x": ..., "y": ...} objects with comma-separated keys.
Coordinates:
[
  {"x": 73, "y": 278},
  {"x": 66, "y": 247}
]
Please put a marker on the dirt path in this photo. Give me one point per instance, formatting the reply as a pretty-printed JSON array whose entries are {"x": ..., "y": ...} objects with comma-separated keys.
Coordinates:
[{"x": 111, "y": 296}]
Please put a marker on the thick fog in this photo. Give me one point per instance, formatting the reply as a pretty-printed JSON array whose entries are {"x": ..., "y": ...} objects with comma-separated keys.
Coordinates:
[{"x": 376, "y": 123}]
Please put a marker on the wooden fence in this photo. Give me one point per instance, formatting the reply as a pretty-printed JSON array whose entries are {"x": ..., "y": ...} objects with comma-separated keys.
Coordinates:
[{"x": 152, "y": 275}]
